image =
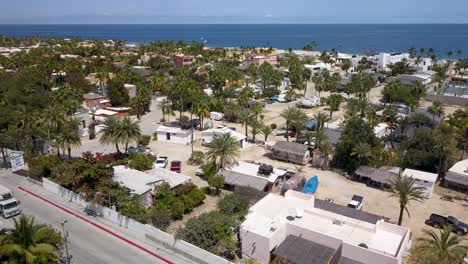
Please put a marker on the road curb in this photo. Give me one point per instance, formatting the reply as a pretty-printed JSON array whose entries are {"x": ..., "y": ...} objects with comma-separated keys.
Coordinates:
[{"x": 96, "y": 225}]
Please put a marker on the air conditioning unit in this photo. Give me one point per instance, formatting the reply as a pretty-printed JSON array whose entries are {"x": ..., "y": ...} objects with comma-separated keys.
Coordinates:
[{"x": 338, "y": 222}]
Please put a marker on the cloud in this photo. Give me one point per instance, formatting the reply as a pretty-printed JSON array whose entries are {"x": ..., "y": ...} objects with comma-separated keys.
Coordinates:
[{"x": 268, "y": 15}]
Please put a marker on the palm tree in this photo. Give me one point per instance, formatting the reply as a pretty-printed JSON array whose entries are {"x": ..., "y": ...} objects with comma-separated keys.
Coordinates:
[
  {"x": 53, "y": 117},
  {"x": 129, "y": 131},
  {"x": 110, "y": 132},
  {"x": 69, "y": 137},
  {"x": 298, "y": 121},
  {"x": 266, "y": 130},
  {"x": 436, "y": 109},
  {"x": 166, "y": 108},
  {"x": 320, "y": 118},
  {"x": 334, "y": 101},
  {"x": 442, "y": 248},
  {"x": 30, "y": 243},
  {"x": 223, "y": 151},
  {"x": 326, "y": 148},
  {"x": 288, "y": 114},
  {"x": 406, "y": 191},
  {"x": 244, "y": 118},
  {"x": 363, "y": 152},
  {"x": 255, "y": 128},
  {"x": 202, "y": 110}
]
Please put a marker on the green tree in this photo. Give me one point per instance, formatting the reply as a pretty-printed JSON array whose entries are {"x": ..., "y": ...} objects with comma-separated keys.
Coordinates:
[
  {"x": 288, "y": 115},
  {"x": 217, "y": 182},
  {"x": 404, "y": 189},
  {"x": 436, "y": 109},
  {"x": 212, "y": 232},
  {"x": 141, "y": 162},
  {"x": 129, "y": 131},
  {"x": 334, "y": 101},
  {"x": 255, "y": 129},
  {"x": 363, "y": 152},
  {"x": 30, "y": 243},
  {"x": 442, "y": 248},
  {"x": 117, "y": 93},
  {"x": 69, "y": 137},
  {"x": 110, "y": 132},
  {"x": 266, "y": 130},
  {"x": 223, "y": 151},
  {"x": 444, "y": 136}
]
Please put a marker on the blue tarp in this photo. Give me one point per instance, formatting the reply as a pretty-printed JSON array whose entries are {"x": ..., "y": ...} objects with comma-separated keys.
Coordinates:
[{"x": 311, "y": 185}]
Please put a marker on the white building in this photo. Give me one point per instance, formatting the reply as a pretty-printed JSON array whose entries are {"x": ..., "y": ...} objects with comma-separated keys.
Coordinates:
[
  {"x": 385, "y": 59},
  {"x": 423, "y": 179},
  {"x": 381, "y": 130},
  {"x": 317, "y": 231},
  {"x": 317, "y": 67},
  {"x": 174, "y": 135},
  {"x": 143, "y": 183},
  {"x": 209, "y": 135},
  {"x": 457, "y": 176},
  {"x": 422, "y": 64},
  {"x": 249, "y": 175}
]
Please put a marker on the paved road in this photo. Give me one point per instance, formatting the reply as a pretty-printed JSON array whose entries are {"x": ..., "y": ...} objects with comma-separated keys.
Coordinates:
[{"x": 88, "y": 244}]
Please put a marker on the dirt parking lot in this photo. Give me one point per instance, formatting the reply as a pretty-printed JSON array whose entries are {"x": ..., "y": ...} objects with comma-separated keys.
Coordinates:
[{"x": 340, "y": 189}]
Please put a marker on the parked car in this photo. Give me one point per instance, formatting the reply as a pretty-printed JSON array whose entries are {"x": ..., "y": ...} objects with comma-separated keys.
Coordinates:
[
  {"x": 176, "y": 166},
  {"x": 439, "y": 221},
  {"x": 356, "y": 202},
  {"x": 141, "y": 149},
  {"x": 161, "y": 162},
  {"x": 199, "y": 172}
]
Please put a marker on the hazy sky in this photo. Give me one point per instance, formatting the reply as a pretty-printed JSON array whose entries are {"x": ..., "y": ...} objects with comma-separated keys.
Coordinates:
[{"x": 234, "y": 11}]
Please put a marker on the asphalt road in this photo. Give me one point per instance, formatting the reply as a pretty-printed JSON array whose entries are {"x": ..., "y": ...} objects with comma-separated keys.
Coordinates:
[{"x": 87, "y": 243}]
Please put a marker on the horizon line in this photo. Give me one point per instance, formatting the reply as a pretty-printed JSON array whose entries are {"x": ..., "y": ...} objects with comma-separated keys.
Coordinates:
[{"x": 252, "y": 23}]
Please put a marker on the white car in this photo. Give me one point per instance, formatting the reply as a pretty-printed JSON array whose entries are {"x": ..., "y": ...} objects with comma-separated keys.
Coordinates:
[
  {"x": 356, "y": 202},
  {"x": 161, "y": 162}
]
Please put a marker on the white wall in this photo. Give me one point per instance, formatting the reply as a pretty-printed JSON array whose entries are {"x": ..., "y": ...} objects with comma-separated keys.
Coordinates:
[
  {"x": 137, "y": 228},
  {"x": 175, "y": 138}
]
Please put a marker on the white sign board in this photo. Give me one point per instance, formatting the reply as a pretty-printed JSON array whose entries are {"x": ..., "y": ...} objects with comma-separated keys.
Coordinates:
[{"x": 17, "y": 161}]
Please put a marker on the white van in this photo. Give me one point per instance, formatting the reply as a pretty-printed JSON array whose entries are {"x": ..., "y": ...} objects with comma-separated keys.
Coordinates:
[{"x": 9, "y": 206}]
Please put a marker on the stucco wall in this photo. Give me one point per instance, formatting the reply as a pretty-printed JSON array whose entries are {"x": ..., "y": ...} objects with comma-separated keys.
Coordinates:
[
  {"x": 175, "y": 138},
  {"x": 136, "y": 228}
]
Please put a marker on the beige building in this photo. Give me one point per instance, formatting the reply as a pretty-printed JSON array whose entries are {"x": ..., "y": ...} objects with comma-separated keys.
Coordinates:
[{"x": 297, "y": 228}]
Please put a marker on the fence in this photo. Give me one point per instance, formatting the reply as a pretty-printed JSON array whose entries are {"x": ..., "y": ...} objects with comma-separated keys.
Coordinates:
[
  {"x": 136, "y": 228},
  {"x": 449, "y": 100}
]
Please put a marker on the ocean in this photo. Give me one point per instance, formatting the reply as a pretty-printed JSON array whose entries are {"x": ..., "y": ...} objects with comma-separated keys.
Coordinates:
[{"x": 350, "y": 38}]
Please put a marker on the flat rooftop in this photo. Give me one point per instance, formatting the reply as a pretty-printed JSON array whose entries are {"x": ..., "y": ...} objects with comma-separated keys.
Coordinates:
[
  {"x": 420, "y": 175},
  {"x": 274, "y": 212}
]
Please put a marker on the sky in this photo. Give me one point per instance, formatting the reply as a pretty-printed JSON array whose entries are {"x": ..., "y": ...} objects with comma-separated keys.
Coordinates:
[{"x": 231, "y": 12}]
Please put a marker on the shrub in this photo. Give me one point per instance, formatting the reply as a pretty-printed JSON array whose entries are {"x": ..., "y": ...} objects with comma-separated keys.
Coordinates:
[
  {"x": 273, "y": 126},
  {"x": 231, "y": 204},
  {"x": 159, "y": 218},
  {"x": 155, "y": 136},
  {"x": 178, "y": 209},
  {"x": 43, "y": 166},
  {"x": 212, "y": 232},
  {"x": 144, "y": 140},
  {"x": 162, "y": 191},
  {"x": 189, "y": 203},
  {"x": 141, "y": 162},
  {"x": 197, "y": 158},
  {"x": 198, "y": 196},
  {"x": 184, "y": 188}
]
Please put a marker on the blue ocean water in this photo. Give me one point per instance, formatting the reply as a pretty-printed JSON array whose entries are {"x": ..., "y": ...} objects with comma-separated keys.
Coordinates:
[{"x": 352, "y": 38}]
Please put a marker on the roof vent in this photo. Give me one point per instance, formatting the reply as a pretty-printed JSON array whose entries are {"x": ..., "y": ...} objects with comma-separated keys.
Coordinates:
[
  {"x": 338, "y": 222},
  {"x": 363, "y": 245}
]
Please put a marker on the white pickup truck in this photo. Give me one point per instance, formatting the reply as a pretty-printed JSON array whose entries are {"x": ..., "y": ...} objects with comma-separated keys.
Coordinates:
[
  {"x": 161, "y": 162},
  {"x": 356, "y": 202},
  {"x": 9, "y": 206}
]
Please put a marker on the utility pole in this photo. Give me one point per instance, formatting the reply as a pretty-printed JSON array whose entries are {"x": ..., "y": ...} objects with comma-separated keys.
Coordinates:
[
  {"x": 65, "y": 241},
  {"x": 191, "y": 123}
]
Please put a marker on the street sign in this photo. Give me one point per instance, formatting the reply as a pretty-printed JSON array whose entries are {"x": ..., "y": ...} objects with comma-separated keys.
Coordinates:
[{"x": 16, "y": 161}]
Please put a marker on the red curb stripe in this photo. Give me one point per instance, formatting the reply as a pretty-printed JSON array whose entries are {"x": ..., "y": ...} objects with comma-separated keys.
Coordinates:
[{"x": 97, "y": 225}]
